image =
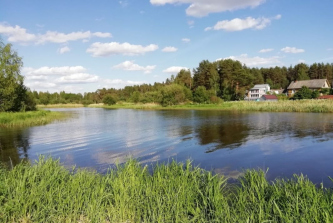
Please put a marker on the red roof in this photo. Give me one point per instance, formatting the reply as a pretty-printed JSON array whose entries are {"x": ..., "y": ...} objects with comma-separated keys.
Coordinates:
[
  {"x": 326, "y": 97},
  {"x": 267, "y": 96}
]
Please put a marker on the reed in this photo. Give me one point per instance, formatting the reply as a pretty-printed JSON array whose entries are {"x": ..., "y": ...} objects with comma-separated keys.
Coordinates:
[
  {"x": 174, "y": 192},
  {"x": 311, "y": 105},
  {"x": 41, "y": 117},
  {"x": 60, "y": 106}
]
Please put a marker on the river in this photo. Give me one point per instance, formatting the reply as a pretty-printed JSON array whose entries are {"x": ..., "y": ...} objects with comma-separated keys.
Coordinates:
[{"x": 225, "y": 142}]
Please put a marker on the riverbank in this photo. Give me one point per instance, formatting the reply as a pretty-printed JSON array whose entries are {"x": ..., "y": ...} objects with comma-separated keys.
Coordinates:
[
  {"x": 31, "y": 118},
  {"x": 322, "y": 106},
  {"x": 48, "y": 192},
  {"x": 60, "y": 106}
]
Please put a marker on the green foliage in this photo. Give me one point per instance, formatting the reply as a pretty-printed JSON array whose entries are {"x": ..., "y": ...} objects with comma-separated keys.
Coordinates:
[
  {"x": 14, "y": 96},
  {"x": 200, "y": 95},
  {"x": 172, "y": 94},
  {"x": 303, "y": 93},
  {"x": 174, "y": 192},
  {"x": 109, "y": 100}
]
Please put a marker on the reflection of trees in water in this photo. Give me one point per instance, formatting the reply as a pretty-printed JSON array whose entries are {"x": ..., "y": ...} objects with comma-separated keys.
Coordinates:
[
  {"x": 14, "y": 145},
  {"x": 225, "y": 135}
]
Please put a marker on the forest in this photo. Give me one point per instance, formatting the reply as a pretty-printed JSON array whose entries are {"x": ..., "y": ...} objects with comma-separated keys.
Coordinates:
[{"x": 210, "y": 82}]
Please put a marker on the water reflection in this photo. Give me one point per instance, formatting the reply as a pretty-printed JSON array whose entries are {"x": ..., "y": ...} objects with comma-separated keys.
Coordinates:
[
  {"x": 226, "y": 142},
  {"x": 14, "y": 145}
]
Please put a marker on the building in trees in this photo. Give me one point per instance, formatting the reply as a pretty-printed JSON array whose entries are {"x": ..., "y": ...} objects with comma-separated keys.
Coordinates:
[
  {"x": 257, "y": 92},
  {"x": 315, "y": 84}
]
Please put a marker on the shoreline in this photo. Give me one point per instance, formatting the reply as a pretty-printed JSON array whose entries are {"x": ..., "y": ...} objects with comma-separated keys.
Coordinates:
[{"x": 31, "y": 118}]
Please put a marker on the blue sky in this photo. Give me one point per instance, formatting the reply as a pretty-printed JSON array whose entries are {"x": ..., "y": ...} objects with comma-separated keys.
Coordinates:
[{"x": 84, "y": 45}]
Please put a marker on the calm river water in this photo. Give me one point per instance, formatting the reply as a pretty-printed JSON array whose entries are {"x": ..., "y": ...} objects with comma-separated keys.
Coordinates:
[{"x": 226, "y": 142}]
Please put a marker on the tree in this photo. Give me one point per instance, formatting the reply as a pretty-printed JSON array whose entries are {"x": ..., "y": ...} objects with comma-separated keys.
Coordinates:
[
  {"x": 109, "y": 100},
  {"x": 200, "y": 95},
  {"x": 14, "y": 95},
  {"x": 303, "y": 93}
]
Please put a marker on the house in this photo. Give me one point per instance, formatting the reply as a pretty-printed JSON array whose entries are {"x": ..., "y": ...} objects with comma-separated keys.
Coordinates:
[
  {"x": 269, "y": 98},
  {"x": 315, "y": 84},
  {"x": 257, "y": 92}
]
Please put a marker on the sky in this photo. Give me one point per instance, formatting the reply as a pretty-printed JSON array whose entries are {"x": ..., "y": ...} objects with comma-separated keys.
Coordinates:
[{"x": 83, "y": 45}]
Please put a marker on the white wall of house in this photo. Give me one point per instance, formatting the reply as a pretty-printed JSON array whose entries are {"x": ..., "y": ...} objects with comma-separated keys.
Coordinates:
[{"x": 258, "y": 91}]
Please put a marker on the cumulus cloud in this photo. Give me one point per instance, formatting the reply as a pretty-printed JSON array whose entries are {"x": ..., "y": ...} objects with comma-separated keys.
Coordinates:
[
  {"x": 255, "y": 61},
  {"x": 200, "y": 8},
  {"x": 118, "y": 83},
  {"x": 20, "y": 35},
  {"x": 174, "y": 69},
  {"x": 266, "y": 50},
  {"x": 130, "y": 66},
  {"x": 78, "y": 78},
  {"x": 292, "y": 50},
  {"x": 169, "y": 49},
  {"x": 64, "y": 49},
  {"x": 59, "y": 75},
  {"x": 186, "y": 40},
  {"x": 238, "y": 24},
  {"x": 114, "y": 48}
]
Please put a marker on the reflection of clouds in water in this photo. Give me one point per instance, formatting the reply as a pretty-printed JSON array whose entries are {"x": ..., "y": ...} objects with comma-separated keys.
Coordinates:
[{"x": 228, "y": 172}]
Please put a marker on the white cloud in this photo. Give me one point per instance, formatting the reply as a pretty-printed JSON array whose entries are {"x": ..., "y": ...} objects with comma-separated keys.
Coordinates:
[
  {"x": 64, "y": 49},
  {"x": 114, "y": 48},
  {"x": 238, "y": 24},
  {"x": 200, "y": 8},
  {"x": 266, "y": 50},
  {"x": 78, "y": 78},
  {"x": 20, "y": 35},
  {"x": 57, "y": 71},
  {"x": 255, "y": 61},
  {"x": 292, "y": 50},
  {"x": 130, "y": 66},
  {"x": 174, "y": 69},
  {"x": 169, "y": 49},
  {"x": 186, "y": 40},
  {"x": 17, "y": 34},
  {"x": 118, "y": 83}
]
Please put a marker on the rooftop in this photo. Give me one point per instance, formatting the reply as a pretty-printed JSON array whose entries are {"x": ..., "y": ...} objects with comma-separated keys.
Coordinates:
[{"x": 315, "y": 83}]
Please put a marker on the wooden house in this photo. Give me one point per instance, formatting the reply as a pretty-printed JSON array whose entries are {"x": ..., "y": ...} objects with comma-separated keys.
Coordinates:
[{"x": 315, "y": 84}]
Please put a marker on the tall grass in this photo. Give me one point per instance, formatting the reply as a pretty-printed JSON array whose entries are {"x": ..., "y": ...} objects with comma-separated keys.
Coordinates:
[
  {"x": 70, "y": 105},
  {"x": 311, "y": 105},
  {"x": 175, "y": 192},
  {"x": 12, "y": 119}
]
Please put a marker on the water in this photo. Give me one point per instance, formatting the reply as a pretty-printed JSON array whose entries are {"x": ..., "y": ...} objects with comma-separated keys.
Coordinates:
[{"x": 225, "y": 142}]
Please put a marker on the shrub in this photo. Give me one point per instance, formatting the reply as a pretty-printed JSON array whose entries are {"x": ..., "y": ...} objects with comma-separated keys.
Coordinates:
[{"x": 109, "y": 100}]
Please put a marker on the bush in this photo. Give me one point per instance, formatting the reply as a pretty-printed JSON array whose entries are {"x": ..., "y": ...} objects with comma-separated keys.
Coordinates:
[
  {"x": 200, "y": 95},
  {"x": 109, "y": 100}
]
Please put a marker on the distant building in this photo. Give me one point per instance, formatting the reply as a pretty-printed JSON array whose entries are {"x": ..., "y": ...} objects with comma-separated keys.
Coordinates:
[
  {"x": 315, "y": 84},
  {"x": 326, "y": 97},
  {"x": 257, "y": 92},
  {"x": 269, "y": 98}
]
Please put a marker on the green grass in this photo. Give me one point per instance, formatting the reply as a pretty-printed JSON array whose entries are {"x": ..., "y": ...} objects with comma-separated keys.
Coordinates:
[
  {"x": 311, "y": 105},
  {"x": 13, "y": 119},
  {"x": 60, "y": 106},
  {"x": 175, "y": 192}
]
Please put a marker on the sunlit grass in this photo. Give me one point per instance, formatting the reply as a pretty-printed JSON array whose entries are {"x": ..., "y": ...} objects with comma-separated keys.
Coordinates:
[
  {"x": 175, "y": 192},
  {"x": 324, "y": 106},
  {"x": 60, "y": 106},
  {"x": 12, "y": 119}
]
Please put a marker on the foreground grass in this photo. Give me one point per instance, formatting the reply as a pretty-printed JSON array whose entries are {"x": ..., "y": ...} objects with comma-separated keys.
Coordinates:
[
  {"x": 12, "y": 119},
  {"x": 325, "y": 106},
  {"x": 47, "y": 192}
]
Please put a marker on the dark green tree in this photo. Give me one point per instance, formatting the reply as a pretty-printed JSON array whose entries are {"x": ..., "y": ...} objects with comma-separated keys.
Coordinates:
[
  {"x": 13, "y": 94},
  {"x": 109, "y": 100},
  {"x": 303, "y": 93}
]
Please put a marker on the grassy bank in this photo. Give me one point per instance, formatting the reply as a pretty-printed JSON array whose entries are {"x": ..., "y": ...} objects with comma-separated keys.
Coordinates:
[
  {"x": 60, "y": 106},
  {"x": 325, "y": 106},
  {"x": 12, "y": 119},
  {"x": 47, "y": 192}
]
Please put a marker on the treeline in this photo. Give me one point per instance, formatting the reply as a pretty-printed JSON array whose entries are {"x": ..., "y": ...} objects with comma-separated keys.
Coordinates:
[{"x": 210, "y": 82}]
